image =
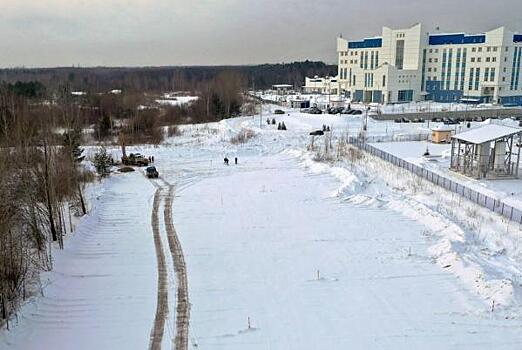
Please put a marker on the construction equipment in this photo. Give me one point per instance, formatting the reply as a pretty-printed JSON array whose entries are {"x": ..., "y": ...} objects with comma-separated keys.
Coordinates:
[{"x": 135, "y": 159}]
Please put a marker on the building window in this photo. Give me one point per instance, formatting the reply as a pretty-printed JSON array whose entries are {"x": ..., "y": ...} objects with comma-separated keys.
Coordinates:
[
  {"x": 480, "y": 49},
  {"x": 384, "y": 81},
  {"x": 486, "y": 74},
  {"x": 399, "y": 54},
  {"x": 493, "y": 59},
  {"x": 488, "y": 59},
  {"x": 479, "y": 59},
  {"x": 474, "y": 49},
  {"x": 492, "y": 74},
  {"x": 472, "y": 59},
  {"x": 477, "y": 78},
  {"x": 463, "y": 68}
]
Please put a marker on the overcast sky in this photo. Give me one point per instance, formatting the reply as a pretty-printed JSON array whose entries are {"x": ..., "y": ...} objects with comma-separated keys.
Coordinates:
[{"x": 48, "y": 33}]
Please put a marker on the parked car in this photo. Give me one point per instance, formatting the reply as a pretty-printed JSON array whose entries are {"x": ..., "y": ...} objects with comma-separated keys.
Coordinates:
[
  {"x": 398, "y": 120},
  {"x": 334, "y": 110},
  {"x": 356, "y": 112},
  {"x": 315, "y": 110},
  {"x": 450, "y": 121},
  {"x": 317, "y": 133},
  {"x": 279, "y": 111},
  {"x": 151, "y": 172}
]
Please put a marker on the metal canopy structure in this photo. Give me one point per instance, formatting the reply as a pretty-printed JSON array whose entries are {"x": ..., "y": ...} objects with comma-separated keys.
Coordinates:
[{"x": 492, "y": 152}]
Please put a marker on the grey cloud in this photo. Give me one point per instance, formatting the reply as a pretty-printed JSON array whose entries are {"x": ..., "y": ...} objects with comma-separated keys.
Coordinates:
[{"x": 171, "y": 32}]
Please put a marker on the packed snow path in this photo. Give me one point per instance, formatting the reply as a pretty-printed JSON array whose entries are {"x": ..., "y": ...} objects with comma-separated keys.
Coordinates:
[
  {"x": 276, "y": 261},
  {"x": 102, "y": 291},
  {"x": 182, "y": 296},
  {"x": 162, "y": 303}
]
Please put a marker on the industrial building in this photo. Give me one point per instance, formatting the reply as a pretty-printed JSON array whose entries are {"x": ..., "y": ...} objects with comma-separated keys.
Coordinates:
[{"x": 403, "y": 65}]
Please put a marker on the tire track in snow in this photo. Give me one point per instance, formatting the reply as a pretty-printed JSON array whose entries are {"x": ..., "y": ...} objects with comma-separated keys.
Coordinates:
[
  {"x": 183, "y": 304},
  {"x": 158, "y": 328}
]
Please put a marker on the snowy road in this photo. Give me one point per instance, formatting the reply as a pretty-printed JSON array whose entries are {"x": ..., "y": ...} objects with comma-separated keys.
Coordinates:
[{"x": 103, "y": 288}]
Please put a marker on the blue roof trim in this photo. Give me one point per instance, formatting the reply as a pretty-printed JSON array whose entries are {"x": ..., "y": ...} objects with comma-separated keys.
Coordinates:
[
  {"x": 452, "y": 39},
  {"x": 517, "y": 38},
  {"x": 365, "y": 44}
]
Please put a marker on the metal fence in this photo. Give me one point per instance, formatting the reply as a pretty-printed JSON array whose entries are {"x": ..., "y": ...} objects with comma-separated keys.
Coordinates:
[
  {"x": 481, "y": 199},
  {"x": 397, "y": 138}
]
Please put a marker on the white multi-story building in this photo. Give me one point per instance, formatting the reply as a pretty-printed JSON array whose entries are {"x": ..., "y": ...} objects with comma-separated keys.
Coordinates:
[
  {"x": 412, "y": 65},
  {"x": 318, "y": 85}
]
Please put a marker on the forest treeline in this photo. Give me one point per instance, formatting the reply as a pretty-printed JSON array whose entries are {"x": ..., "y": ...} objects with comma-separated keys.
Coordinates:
[
  {"x": 42, "y": 187},
  {"x": 166, "y": 78}
]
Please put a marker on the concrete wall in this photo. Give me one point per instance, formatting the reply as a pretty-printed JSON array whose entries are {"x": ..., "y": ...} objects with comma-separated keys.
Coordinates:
[{"x": 486, "y": 113}]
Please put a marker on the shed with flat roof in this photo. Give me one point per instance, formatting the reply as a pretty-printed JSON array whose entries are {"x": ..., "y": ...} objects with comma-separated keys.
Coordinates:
[{"x": 491, "y": 151}]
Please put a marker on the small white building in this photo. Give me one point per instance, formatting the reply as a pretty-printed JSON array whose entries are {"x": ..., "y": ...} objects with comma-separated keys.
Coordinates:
[
  {"x": 282, "y": 89},
  {"x": 319, "y": 85}
]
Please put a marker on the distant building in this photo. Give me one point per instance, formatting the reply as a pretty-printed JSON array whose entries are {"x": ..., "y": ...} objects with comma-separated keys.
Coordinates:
[
  {"x": 410, "y": 64},
  {"x": 282, "y": 89},
  {"x": 319, "y": 85},
  {"x": 299, "y": 103}
]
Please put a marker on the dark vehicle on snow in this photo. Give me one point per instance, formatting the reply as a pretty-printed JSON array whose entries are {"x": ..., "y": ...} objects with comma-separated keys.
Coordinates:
[
  {"x": 151, "y": 172},
  {"x": 279, "y": 111}
]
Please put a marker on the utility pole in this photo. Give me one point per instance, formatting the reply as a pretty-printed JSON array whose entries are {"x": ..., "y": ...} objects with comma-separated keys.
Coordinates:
[{"x": 261, "y": 115}]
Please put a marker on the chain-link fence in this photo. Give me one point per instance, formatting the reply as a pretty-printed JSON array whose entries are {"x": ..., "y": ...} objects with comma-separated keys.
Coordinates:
[{"x": 481, "y": 199}]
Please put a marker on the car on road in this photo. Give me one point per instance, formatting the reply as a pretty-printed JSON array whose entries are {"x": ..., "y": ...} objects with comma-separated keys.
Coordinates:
[
  {"x": 317, "y": 133},
  {"x": 151, "y": 172},
  {"x": 279, "y": 111}
]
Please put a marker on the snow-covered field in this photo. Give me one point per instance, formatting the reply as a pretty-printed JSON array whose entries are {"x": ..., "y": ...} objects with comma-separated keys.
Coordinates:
[{"x": 311, "y": 255}]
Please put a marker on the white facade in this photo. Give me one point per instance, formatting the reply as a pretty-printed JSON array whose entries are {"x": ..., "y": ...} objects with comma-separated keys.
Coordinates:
[
  {"x": 320, "y": 85},
  {"x": 413, "y": 65}
]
